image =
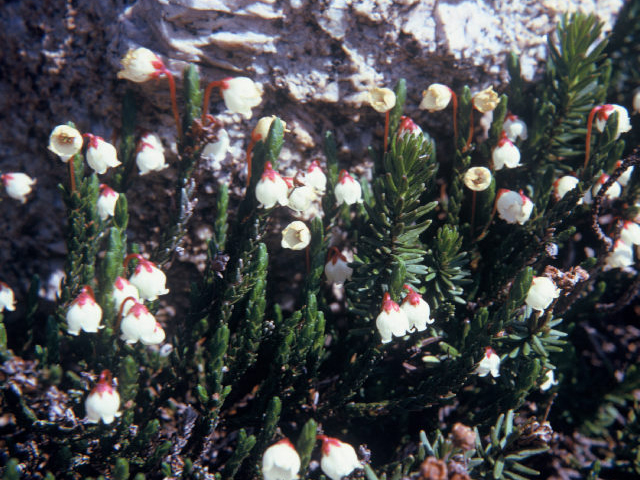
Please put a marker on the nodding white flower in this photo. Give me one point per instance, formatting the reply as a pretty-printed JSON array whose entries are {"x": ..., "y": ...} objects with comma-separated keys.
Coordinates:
[
  {"x": 280, "y": 461},
  {"x": 296, "y": 236},
  {"x": 103, "y": 402},
  {"x": 140, "y": 65},
  {"x": 620, "y": 257},
  {"x": 477, "y": 178},
  {"x": 549, "y": 381},
  {"x": 122, "y": 289},
  {"x": 337, "y": 269},
  {"x": 106, "y": 203},
  {"x": 7, "y": 300},
  {"x": 271, "y": 188},
  {"x": 215, "y": 152},
  {"x": 65, "y": 141},
  {"x": 612, "y": 192},
  {"x": 486, "y": 100},
  {"x": 339, "y": 459},
  {"x": 315, "y": 178},
  {"x": 100, "y": 154},
  {"x": 630, "y": 233},
  {"x": 626, "y": 175},
  {"x": 150, "y": 156},
  {"x": 18, "y": 185},
  {"x": 505, "y": 154},
  {"x": 436, "y": 97},
  {"x": 541, "y": 293},
  {"x": 513, "y": 207},
  {"x": 382, "y": 99},
  {"x": 301, "y": 198},
  {"x": 240, "y": 95},
  {"x": 392, "y": 320},
  {"x": 563, "y": 185},
  {"x": 490, "y": 363},
  {"x": 408, "y": 127},
  {"x": 84, "y": 313},
  {"x": 515, "y": 128},
  {"x": 603, "y": 113},
  {"x": 347, "y": 190},
  {"x": 417, "y": 310},
  {"x": 138, "y": 323},
  {"x": 147, "y": 278}
]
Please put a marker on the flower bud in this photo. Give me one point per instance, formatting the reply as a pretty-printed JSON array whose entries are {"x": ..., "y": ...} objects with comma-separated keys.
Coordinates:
[
  {"x": 122, "y": 289},
  {"x": 18, "y": 185},
  {"x": 490, "y": 363},
  {"x": 486, "y": 100},
  {"x": 563, "y": 185},
  {"x": 138, "y": 324},
  {"x": 296, "y": 236},
  {"x": 140, "y": 65},
  {"x": 148, "y": 279},
  {"x": 416, "y": 310},
  {"x": 408, "y": 127},
  {"x": 7, "y": 300},
  {"x": 150, "y": 156},
  {"x": 271, "y": 188},
  {"x": 382, "y": 99},
  {"x": 106, "y": 204},
  {"x": 84, "y": 313},
  {"x": 626, "y": 175},
  {"x": 505, "y": 154},
  {"x": 261, "y": 130},
  {"x": 630, "y": 233},
  {"x": 339, "y": 459},
  {"x": 433, "y": 469},
  {"x": 65, "y": 141},
  {"x": 347, "y": 190},
  {"x": 436, "y": 97},
  {"x": 477, "y": 179},
  {"x": 603, "y": 113},
  {"x": 515, "y": 128},
  {"x": 315, "y": 178},
  {"x": 100, "y": 154},
  {"x": 513, "y": 207},
  {"x": 549, "y": 381},
  {"x": 620, "y": 257},
  {"x": 240, "y": 95},
  {"x": 280, "y": 461},
  {"x": 392, "y": 320},
  {"x": 541, "y": 293},
  {"x": 103, "y": 402},
  {"x": 463, "y": 437},
  {"x": 337, "y": 269}
]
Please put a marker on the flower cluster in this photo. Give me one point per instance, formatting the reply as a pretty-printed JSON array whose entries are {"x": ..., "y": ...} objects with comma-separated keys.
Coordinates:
[{"x": 396, "y": 320}]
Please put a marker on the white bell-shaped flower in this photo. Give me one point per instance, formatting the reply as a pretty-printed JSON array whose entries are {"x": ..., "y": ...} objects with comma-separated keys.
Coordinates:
[
  {"x": 138, "y": 323},
  {"x": 549, "y": 381},
  {"x": 140, "y": 65},
  {"x": 106, "y": 204},
  {"x": 280, "y": 461},
  {"x": 541, "y": 293},
  {"x": 315, "y": 178},
  {"x": 100, "y": 154},
  {"x": 84, "y": 313},
  {"x": 150, "y": 156},
  {"x": 147, "y": 278},
  {"x": 436, "y": 97},
  {"x": 339, "y": 459},
  {"x": 296, "y": 236},
  {"x": 271, "y": 188},
  {"x": 620, "y": 257},
  {"x": 18, "y": 185},
  {"x": 515, "y": 128},
  {"x": 382, "y": 99},
  {"x": 477, "y": 179},
  {"x": 7, "y": 300},
  {"x": 505, "y": 154},
  {"x": 630, "y": 233},
  {"x": 604, "y": 112},
  {"x": 65, "y": 141},
  {"x": 240, "y": 95},
  {"x": 347, "y": 190},
  {"x": 392, "y": 320},
  {"x": 513, "y": 207},
  {"x": 103, "y": 402},
  {"x": 417, "y": 310},
  {"x": 123, "y": 289},
  {"x": 490, "y": 364},
  {"x": 563, "y": 185},
  {"x": 626, "y": 175},
  {"x": 337, "y": 269}
]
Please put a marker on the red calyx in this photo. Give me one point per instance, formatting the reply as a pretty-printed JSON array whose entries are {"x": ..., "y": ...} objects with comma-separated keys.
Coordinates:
[
  {"x": 104, "y": 384},
  {"x": 344, "y": 176},
  {"x": 94, "y": 140},
  {"x": 327, "y": 443},
  {"x": 224, "y": 83},
  {"x": 504, "y": 139},
  {"x": 269, "y": 172},
  {"x": 106, "y": 190},
  {"x": 313, "y": 166},
  {"x": 412, "y": 297},
  {"x": 501, "y": 192},
  {"x": 489, "y": 351},
  {"x": 407, "y": 125},
  {"x": 388, "y": 304},
  {"x": 119, "y": 283},
  {"x": 604, "y": 111},
  {"x": 285, "y": 441},
  {"x": 335, "y": 255},
  {"x": 6, "y": 178}
]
